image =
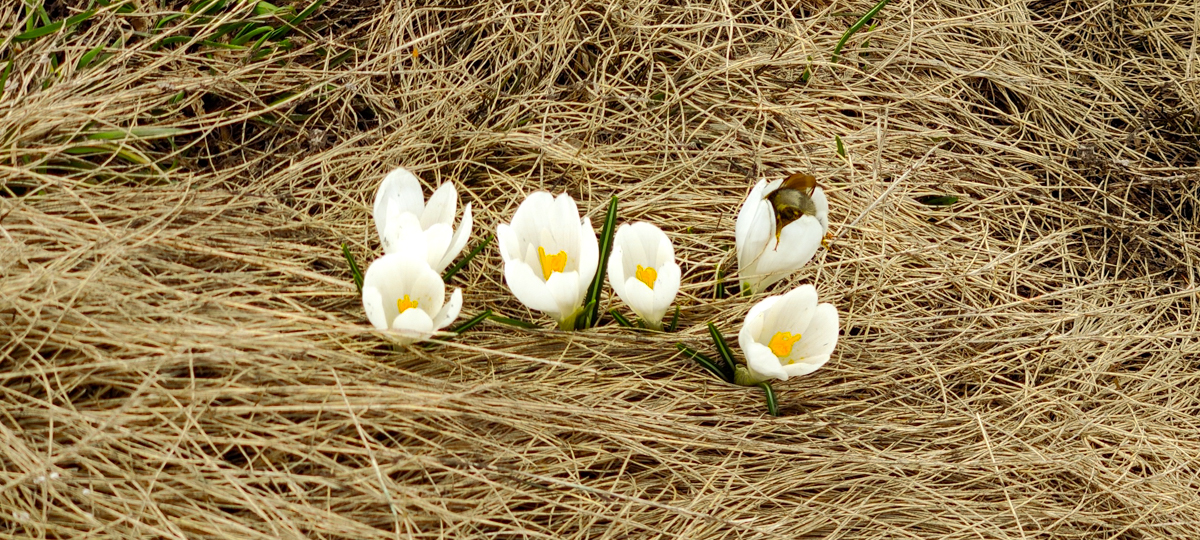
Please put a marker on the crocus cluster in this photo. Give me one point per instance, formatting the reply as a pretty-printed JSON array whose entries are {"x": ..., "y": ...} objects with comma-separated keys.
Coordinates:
[
  {"x": 551, "y": 256},
  {"x": 403, "y": 290}
]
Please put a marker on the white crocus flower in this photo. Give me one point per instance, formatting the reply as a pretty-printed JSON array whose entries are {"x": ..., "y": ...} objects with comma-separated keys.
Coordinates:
[
  {"x": 550, "y": 256},
  {"x": 643, "y": 272},
  {"x": 401, "y": 211},
  {"x": 787, "y": 336},
  {"x": 767, "y": 254},
  {"x": 402, "y": 293}
]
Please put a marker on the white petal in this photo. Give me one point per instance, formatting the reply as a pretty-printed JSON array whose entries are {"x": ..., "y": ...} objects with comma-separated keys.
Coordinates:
[
  {"x": 616, "y": 271},
  {"x": 798, "y": 243},
  {"x": 640, "y": 299},
  {"x": 437, "y": 242},
  {"x": 373, "y": 305},
  {"x": 564, "y": 289},
  {"x": 441, "y": 206},
  {"x": 401, "y": 191},
  {"x": 459, "y": 241},
  {"x": 510, "y": 246},
  {"x": 666, "y": 287},
  {"x": 762, "y": 363},
  {"x": 449, "y": 311},
  {"x": 560, "y": 224},
  {"x": 531, "y": 215},
  {"x": 589, "y": 255},
  {"x": 792, "y": 313},
  {"x": 821, "y": 335},
  {"x": 404, "y": 235},
  {"x": 822, "y": 205},
  {"x": 414, "y": 325},
  {"x": 754, "y": 235},
  {"x": 806, "y": 366},
  {"x": 528, "y": 287},
  {"x": 752, "y": 327},
  {"x": 427, "y": 286}
]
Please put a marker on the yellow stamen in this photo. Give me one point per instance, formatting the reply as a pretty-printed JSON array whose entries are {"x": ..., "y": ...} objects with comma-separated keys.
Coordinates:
[
  {"x": 404, "y": 304},
  {"x": 647, "y": 275},
  {"x": 551, "y": 263},
  {"x": 782, "y": 342}
]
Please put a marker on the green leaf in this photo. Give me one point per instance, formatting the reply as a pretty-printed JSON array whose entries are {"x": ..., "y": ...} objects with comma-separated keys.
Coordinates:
[
  {"x": 704, "y": 361},
  {"x": 937, "y": 200},
  {"x": 719, "y": 291},
  {"x": 722, "y": 349},
  {"x": 674, "y": 321},
  {"x": 354, "y": 271},
  {"x": 88, "y": 57},
  {"x": 513, "y": 322},
  {"x": 163, "y": 21},
  {"x": 283, "y": 30},
  {"x": 621, "y": 320},
  {"x": 247, "y": 36},
  {"x": 466, "y": 259},
  {"x": 470, "y": 323},
  {"x": 772, "y": 404},
  {"x": 4, "y": 76},
  {"x": 857, "y": 26},
  {"x": 54, "y": 26},
  {"x": 841, "y": 148},
  {"x": 606, "y": 239},
  {"x": 147, "y": 132}
]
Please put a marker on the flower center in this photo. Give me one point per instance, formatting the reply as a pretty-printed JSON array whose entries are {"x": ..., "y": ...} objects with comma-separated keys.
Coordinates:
[
  {"x": 551, "y": 263},
  {"x": 404, "y": 304},
  {"x": 647, "y": 275},
  {"x": 782, "y": 342}
]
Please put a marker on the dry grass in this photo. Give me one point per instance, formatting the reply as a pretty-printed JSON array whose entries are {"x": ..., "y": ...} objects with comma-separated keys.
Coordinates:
[{"x": 185, "y": 355}]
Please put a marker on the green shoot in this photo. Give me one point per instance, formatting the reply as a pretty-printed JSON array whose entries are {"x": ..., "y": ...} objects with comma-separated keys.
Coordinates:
[
  {"x": 722, "y": 349},
  {"x": 467, "y": 258},
  {"x": 621, "y": 320},
  {"x": 772, "y": 404},
  {"x": 470, "y": 323},
  {"x": 513, "y": 322},
  {"x": 358, "y": 276},
  {"x": 704, "y": 361},
  {"x": 857, "y": 26},
  {"x": 606, "y": 239}
]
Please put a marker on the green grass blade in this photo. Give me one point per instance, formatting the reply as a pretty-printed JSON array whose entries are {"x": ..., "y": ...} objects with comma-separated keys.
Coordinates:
[
  {"x": 88, "y": 57},
  {"x": 163, "y": 21},
  {"x": 621, "y": 320},
  {"x": 723, "y": 349},
  {"x": 674, "y": 321},
  {"x": 40, "y": 31},
  {"x": 937, "y": 200},
  {"x": 841, "y": 148},
  {"x": 513, "y": 322},
  {"x": 470, "y": 323},
  {"x": 704, "y": 361},
  {"x": 719, "y": 291},
  {"x": 54, "y": 26},
  {"x": 772, "y": 404},
  {"x": 857, "y": 26},
  {"x": 467, "y": 258},
  {"x": 247, "y": 36},
  {"x": 358, "y": 276},
  {"x": 299, "y": 18},
  {"x": 147, "y": 132},
  {"x": 606, "y": 239},
  {"x": 4, "y": 76}
]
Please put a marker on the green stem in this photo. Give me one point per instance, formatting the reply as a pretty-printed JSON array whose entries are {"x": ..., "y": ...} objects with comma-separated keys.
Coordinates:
[
  {"x": 857, "y": 26},
  {"x": 772, "y": 404}
]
